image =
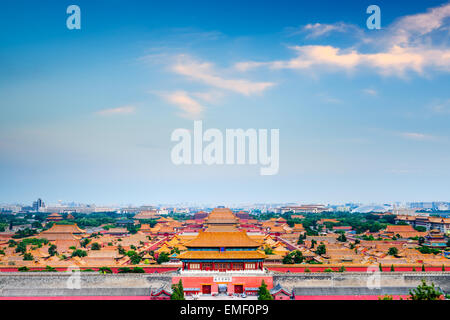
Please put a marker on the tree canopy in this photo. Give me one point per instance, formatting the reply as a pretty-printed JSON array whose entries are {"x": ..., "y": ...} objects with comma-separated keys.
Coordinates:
[
  {"x": 178, "y": 291},
  {"x": 263, "y": 292},
  {"x": 425, "y": 292}
]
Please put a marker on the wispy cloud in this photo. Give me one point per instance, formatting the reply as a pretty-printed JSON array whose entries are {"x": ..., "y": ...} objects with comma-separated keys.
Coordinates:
[
  {"x": 315, "y": 30},
  {"x": 395, "y": 61},
  {"x": 204, "y": 72},
  {"x": 411, "y": 29},
  {"x": 329, "y": 99},
  {"x": 370, "y": 91},
  {"x": 441, "y": 107},
  {"x": 212, "y": 96},
  {"x": 417, "y": 136},
  {"x": 117, "y": 111},
  {"x": 190, "y": 108},
  {"x": 404, "y": 46}
]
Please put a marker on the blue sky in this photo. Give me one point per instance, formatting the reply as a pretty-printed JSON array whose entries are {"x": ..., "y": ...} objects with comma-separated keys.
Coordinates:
[{"x": 86, "y": 115}]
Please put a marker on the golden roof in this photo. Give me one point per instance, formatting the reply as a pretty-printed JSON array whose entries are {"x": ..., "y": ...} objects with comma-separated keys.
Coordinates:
[
  {"x": 56, "y": 215},
  {"x": 222, "y": 239},
  {"x": 64, "y": 228},
  {"x": 221, "y": 215},
  {"x": 221, "y": 228}
]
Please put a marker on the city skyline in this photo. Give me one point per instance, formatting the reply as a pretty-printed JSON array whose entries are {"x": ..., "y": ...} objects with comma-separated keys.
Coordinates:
[
  {"x": 40, "y": 206},
  {"x": 88, "y": 114}
]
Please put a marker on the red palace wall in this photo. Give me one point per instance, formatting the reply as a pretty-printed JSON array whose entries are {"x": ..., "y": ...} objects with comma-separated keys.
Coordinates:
[{"x": 113, "y": 269}]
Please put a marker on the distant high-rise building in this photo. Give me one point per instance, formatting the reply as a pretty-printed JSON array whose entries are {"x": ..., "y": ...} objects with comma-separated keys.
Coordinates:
[{"x": 38, "y": 204}]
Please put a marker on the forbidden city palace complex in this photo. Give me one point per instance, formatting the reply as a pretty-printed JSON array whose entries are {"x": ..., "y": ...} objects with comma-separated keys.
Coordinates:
[{"x": 222, "y": 259}]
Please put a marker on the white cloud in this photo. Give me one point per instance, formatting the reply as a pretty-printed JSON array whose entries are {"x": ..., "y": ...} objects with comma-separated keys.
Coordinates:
[
  {"x": 320, "y": 29},
  {"x": 247, "y": 65},
  {"x": 417, "y": 136},
  {"x": 119, "y": 110},
  {"x": 411, "y": 28},
  {"x": 403, "y": 47},
  {"x": 190, "y": 108},
  {"x": 370, "y": 91},
  {"x": 204, "y": 72},
  {"x": 395, "y": 61}
]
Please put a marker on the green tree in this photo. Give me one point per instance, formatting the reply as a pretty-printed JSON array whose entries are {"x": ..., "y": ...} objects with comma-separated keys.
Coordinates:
[
  {"x": 28, "y": 256},
  {"x": 79, "y": 253},
  {"x": 125, "y": 270},
  {"x": 23, "y": 269},
  {"x": 342, "y": 238},
  {"x": 263, "y": 292},
  {"x": 425, "y": 292},
  {"x": 52, "y": 250},
  {"x": 85, "y": 242},
  {"x": 393, "y": 251},
  {"x": 392, "y": 268},
  {"x": 321, "y": 249},
  {"x": 21, "y": 247},
  {"x": 104, "y": 270},
  {"x": 313, "y": 243},
  {"x": 287, "y": 259},
  {"x": 342, "y": 269},
  {"x": 423, "y": 267},
  {"x": 163, "y": 257},
  {"x": 138, "y": 270},
  {"x": 297, "y": 256},
  {"x": 135, "y": 259},
  {"x": 133, "y": 229},
  {"x": 49, "y": 269},
  {"x": 131, "y": 253},
  {"x": 177, "y": 291},
  {"x": 268, "y": 250},
  {"x": 95, "y": 246}
]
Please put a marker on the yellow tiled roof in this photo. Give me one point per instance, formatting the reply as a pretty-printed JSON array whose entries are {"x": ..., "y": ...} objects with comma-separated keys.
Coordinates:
[{"x": 222, "y": 239}]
